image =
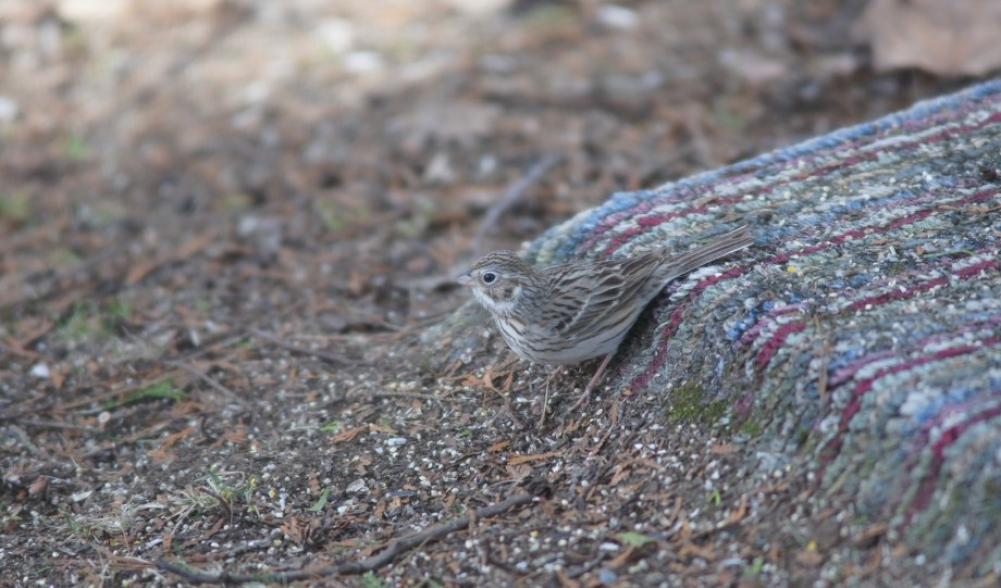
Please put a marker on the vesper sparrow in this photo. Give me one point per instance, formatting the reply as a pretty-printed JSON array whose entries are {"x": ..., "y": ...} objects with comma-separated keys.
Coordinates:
[{"x": 569, "y": 313}]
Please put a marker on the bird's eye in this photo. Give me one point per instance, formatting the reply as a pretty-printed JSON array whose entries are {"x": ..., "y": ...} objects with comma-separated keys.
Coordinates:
[{"x": 489, "y": 278}]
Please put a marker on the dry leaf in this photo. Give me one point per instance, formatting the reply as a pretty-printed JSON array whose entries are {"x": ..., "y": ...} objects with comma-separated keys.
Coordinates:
[
  {"x": 809, "y": 557},
  {"x": 498, "y": 447},
  {"x": 692, "y": 550},
  {"x": 565, "y": 580},
  {"x": 623, "y": 558},
  {"x": 724, "y": 449},
  {"x": 175, "y": 438},
  {"x": 620, "y": 473},
  {"x": 296, "y": 530},
  {"x": 488, "y": 378},
  {"x": 349, "y": 435},
  {"x": 163, "y": 454},
  {"x": 237, "y": 435},
  {"x": 871, "y": 536},
  {"x": 38, "y": 486},
  {"x": 519, "y": 472},
  {"x": 520, "y": 459},
  {"x": 739, "y": 514}
]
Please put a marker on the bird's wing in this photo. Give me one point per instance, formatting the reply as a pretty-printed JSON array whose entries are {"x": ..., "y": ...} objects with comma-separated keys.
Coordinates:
[{"x": 588, "y": 297}]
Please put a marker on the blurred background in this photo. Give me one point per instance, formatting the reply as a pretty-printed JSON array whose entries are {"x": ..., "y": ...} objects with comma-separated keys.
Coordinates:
[{"x": 351, "y": 150}]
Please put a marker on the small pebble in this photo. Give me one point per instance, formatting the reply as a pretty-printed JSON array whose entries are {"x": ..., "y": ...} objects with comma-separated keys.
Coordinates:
[
  {"x": 618, "y": 17},
  {"x": 40, "y": 371},
  {"x": 357, "y": 487},
  {"x": 9, "y": 109}
]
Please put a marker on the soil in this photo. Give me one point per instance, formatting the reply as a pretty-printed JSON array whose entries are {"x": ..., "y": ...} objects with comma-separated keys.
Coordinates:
[{"x": 226, "y": 228}]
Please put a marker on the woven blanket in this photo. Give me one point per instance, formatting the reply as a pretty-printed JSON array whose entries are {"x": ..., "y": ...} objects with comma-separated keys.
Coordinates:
[{"x": 862, "y": 332}]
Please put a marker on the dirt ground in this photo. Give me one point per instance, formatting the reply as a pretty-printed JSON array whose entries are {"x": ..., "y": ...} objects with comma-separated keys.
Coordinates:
[{"x": 225, "y": 226}]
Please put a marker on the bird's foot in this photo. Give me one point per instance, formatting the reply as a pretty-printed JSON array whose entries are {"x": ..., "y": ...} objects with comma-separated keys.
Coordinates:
[{"x": 585, "y": 398}]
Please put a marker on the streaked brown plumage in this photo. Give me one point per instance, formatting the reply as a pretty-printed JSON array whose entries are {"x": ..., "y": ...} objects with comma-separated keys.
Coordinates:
[{"x": 569, "y": 313}]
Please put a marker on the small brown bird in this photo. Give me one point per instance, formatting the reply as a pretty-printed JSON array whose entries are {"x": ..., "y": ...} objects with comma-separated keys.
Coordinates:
[{"x": 569, "y": 313}]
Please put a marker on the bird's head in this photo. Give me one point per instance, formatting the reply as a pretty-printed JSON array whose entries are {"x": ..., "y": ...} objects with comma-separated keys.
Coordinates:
[{"x": 498, "y": 279}]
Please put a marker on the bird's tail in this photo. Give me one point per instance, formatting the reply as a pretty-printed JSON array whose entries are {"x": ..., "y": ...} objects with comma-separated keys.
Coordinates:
[{"x": 720, "y": 247}]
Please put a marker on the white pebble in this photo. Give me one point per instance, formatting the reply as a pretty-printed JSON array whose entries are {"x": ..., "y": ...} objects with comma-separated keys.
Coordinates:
[{"x": 40, "y": 371}]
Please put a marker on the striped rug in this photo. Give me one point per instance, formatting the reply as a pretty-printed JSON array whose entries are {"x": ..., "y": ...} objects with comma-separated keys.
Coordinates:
[{"x": 862, "y": 333}]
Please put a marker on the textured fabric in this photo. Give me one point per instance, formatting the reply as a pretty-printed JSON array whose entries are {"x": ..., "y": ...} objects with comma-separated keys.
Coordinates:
[{"x": 862, "y": 332}]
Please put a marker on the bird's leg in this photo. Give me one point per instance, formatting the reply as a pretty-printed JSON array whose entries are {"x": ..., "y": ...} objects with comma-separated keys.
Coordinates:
[
  {"x": 545, "y": 400},
  {"x": 595, "y": 380}
]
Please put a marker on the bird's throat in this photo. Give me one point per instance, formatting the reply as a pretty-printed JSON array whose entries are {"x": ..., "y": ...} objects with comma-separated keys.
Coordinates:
[{"x": 500, "y": 301}]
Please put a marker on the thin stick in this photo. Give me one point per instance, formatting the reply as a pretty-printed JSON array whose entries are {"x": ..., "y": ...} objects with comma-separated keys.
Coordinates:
[
  {"x": 395, "y": 548},
  {"x": 46, "y": 424},
  {"x": 186, "y": 250},
  {"x": 411, "y": 395},
  {"x": 545, "y": 405},
  {"x": 60, "y": 408},
  {"x": 513, "y": 195},
  {"x": 327, "y": 357},
  {"x": 47, "y": 232},
  {"x": 207, "y": 379}
]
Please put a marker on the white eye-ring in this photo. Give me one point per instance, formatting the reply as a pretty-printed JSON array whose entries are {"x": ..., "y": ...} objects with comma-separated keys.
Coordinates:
[{"x": 489, "y": 278}]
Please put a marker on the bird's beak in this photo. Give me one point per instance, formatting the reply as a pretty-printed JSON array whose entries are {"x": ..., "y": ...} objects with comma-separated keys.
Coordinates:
[{"x": 464, "y": 280}]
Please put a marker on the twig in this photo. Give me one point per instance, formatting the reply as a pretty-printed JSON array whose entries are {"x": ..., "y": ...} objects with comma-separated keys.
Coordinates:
[
  {"x": 580, "y": 571},
  {"x": 248, "y": 547},
  {"x": 724, "y": 526},
  {"x": 206, "y": 378},
  {"x": 109, "y": 394},
  {"x": 735, "y": 519},
  {"x": 47, "y": 424},
  {"x": 411, "y": 395},
  {"x": 186, "y": 250},
  {"x": 513, "y": 195},
  {"x": 47, "y": 232},
  {"x": 72, "y": 284},
  {"x": 395, "y": 548},
  {"x": 327, "y": 357},
  {"x": 221, "y": 342},
  {"x": 15, "y": 348},
  {"x": 545, "y": 406}
]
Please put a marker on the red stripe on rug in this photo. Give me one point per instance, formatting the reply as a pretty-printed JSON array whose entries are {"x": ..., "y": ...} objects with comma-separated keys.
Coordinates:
[{"x": 949, "y": 437}]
